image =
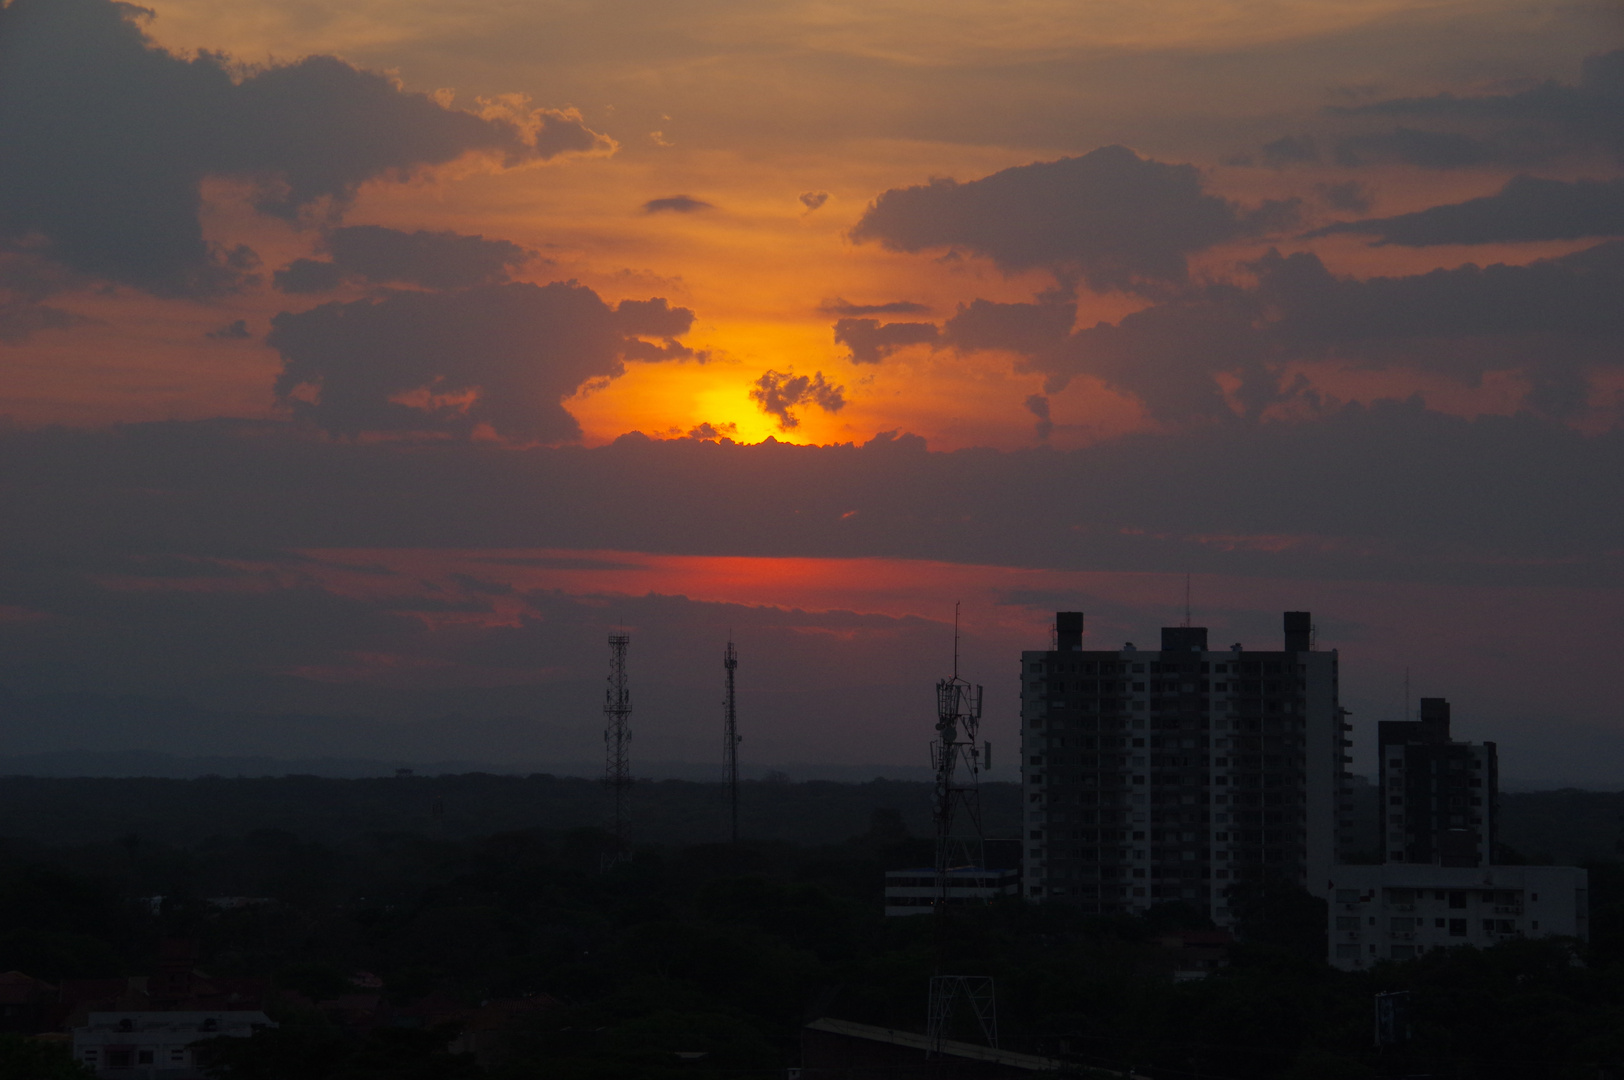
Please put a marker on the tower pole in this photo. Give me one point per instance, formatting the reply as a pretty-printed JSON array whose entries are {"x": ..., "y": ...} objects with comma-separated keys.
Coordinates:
[
  {"x": 957, "y": 811},
  {"x": 730, "y": 741},
  {"x": 617, "y": 738}
]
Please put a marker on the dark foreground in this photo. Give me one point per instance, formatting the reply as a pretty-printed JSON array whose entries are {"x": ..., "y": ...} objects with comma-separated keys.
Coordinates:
[{"x": 419, "y": 954}]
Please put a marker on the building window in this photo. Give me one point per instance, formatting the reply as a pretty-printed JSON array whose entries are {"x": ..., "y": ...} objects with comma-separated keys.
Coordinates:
[
  {"x": 1457, "y": 927},
  {"x": 143, "y": 1057}
]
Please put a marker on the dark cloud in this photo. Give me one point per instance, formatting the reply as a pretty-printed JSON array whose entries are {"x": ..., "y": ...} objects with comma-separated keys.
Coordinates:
[
  {"x": 676, "y": 204},
  {"x": 232, "y": 331},
  {"x": 1023, "y": 328},
  {"x": 1349, "y": 195},
  {"x": 1552, "y": 321},
  {"x": 710, "y": 431},
  {"x": 105, "y": 140},
  {"x": 1117, "y": 220},
  {"x": 840, "y": 306},
  {"x": 373, "y": 253},
  {"x": 871, "y": 341},
  {"x": 812, "y": 200},
  {"x": 1290, "y": 150},
  {"x": 502, "y": 355},
  {"x": 1526, "y": 208},
  {"x": 1427, "y": 149},
  {"x": 1406, "y": 493},
  {"x": 1547, "y": 121},
  {"x": 779, "y": 394},
  {"x": 1038, "y": 406}
]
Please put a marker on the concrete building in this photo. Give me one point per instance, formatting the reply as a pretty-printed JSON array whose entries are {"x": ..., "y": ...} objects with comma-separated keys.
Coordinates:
[
  {"x": 1174, "y": 774},
  {"x": 1398, "y": 911},
  {"x": 1439, "y": 797},
  {"x": 914, "y": 892},
  {"x": 148, "y": 1045}
]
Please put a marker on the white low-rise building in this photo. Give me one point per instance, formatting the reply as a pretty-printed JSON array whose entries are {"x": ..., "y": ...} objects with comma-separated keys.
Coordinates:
[
  {"x": 156, "y": 1044},
  {"x": 1398, "y": 911},
  {"x": 915, "y": 892}
]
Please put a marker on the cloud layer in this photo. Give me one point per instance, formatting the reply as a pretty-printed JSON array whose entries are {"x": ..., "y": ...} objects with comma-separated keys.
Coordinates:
[
  {"x": 502, "y": 356},
  {"x": 379, "y": 255},
  {"x": 105, "y": 140},
  {"x": 1115, "y": 219}
]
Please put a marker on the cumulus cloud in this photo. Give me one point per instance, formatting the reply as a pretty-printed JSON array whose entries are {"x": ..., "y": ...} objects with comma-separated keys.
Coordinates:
[
  {"x": 105, "y": 139},
  {"x": 676, "y": 204},
  {"x": 499, "y": 355},
  {"x": 840, "y": 306},
  {"x": 1221, "y": 353},
  {"x": 1526, "y": 208},
  {"x": 1115, "y": 219},
  {"x": 373, "y": 253},
  {"x": 779, "y": 394},
  {"x": 871, "y": 341}
]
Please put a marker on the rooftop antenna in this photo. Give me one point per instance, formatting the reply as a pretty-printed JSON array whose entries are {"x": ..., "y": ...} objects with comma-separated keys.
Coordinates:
[
  {"x": 1186, "y": 601},
  {"x": 617, "y": 739},
  {"x": 1406, "y": 693},
  {"x": 958, "y": 845},
  {"x": 730, "y": 738}
]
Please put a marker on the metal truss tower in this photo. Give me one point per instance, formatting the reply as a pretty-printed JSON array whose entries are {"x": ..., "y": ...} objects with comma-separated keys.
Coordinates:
[
  {"x": 957, "y": 760},
  {"x": 617, "y": 739},
  {"x": 730, "y": 741}
]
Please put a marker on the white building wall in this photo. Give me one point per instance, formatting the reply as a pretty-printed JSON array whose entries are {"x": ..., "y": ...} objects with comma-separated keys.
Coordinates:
[{"x": 1397, "y": 911}]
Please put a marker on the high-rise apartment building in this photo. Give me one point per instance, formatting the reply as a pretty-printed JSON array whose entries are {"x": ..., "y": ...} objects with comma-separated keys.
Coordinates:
[
  {"x": 1438, "y": 796},
  {"x": 1174, "y": 774}
]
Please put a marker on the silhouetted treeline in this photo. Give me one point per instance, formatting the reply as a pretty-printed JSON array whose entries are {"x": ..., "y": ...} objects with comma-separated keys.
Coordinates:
[{"x": 387, "y": 949}]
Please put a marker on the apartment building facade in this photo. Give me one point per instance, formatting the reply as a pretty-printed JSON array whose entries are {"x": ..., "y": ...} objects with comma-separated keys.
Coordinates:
[
  {"x": 1179, "y": 773},
  {"x": 1439, "y": 797}
]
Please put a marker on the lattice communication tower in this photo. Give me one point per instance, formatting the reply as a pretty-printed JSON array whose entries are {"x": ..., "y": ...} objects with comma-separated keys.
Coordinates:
[
  {"x": 617, "y": 740},
  {"x": 731, "y": 740},
  {"x": 957, "y": 760}
]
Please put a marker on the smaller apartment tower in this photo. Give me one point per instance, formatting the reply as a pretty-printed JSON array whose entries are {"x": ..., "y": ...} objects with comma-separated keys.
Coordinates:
[
  {"x": 1438, "y": 796},
  {"x": 1176, "y": 774}
]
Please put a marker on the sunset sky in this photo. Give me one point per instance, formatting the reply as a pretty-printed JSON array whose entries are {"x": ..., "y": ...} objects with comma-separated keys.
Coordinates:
[{"x": 364, "y": 362}]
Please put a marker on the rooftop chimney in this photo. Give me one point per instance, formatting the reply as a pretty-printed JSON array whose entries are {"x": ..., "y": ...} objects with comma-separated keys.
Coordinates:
[
  {"x": 1184, "y": 639},
  {"x": 1068, "y": 631},
  {"x": 1299, "y": 631}
]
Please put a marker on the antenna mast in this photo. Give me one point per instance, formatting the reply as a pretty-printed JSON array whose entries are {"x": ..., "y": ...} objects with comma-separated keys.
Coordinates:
[
  {"x": 731, "y": 740},
  {"x": 958, "y": 719},
  {"x": 617, "y": 739},
  {"x": 958, "y": 845}
]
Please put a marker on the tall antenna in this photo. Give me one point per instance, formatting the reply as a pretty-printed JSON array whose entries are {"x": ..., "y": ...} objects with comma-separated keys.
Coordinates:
[
  {"x": 958, "y": 718},
  {"x": 1406, "y": 693},
  {"x": 617, "y": 739},
  {"x": 958, "y": 845},
  {"x": 1186, "y": 600},
  {"x": 731, "y": 740}
]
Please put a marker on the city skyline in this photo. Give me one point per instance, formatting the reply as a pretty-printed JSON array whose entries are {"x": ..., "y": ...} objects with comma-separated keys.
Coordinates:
[{"x": 370, "y": 361}]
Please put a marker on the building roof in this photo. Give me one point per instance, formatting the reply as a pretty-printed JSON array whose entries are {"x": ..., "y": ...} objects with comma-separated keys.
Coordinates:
[{"x": 916, "y": 1041}]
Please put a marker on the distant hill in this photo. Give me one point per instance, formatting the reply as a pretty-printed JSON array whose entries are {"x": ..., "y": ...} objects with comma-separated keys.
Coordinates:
[{"x": 91, "y": 810}]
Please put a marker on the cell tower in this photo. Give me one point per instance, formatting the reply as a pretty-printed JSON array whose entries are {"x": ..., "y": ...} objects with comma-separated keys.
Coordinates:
[
  {"x": 958, "y": 791},
  {"x": 731, "y": 740},
  {"x": 958, "y": 845},
  {"x": 617, "y": 740}
]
